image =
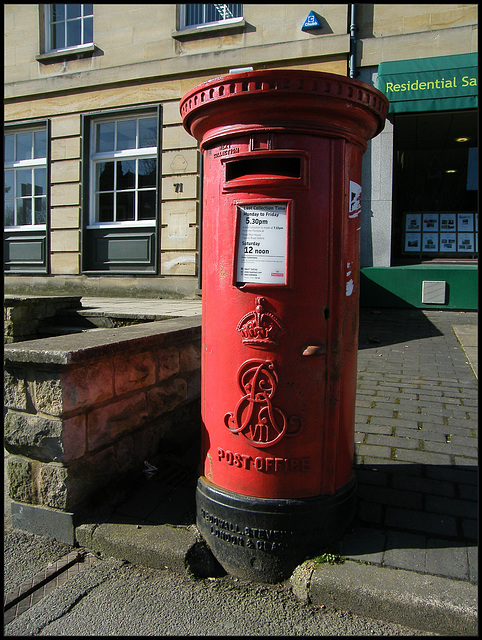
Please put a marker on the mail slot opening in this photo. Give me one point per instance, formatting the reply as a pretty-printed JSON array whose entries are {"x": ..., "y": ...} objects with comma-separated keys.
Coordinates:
[{"x": 264, "y": 166}]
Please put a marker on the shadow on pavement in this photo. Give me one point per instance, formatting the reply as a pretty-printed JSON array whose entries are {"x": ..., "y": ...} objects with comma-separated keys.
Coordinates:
[
  {"x": 437, "y": 501},
  {"x": 164, "y": 493},
  {"x": 381, "y": 327}
]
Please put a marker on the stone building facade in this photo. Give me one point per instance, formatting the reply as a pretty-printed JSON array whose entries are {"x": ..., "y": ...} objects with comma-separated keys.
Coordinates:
[{"x": 104, "y": 192}]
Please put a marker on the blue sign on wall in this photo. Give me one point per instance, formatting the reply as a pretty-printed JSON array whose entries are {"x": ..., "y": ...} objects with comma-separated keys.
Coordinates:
[{"x": 311, "y": 22}]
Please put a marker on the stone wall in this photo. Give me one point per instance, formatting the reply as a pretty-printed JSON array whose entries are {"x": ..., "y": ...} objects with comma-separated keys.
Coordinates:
[
  {"x": 84, "y": 410},
  {"x": 22, "y": 315}
]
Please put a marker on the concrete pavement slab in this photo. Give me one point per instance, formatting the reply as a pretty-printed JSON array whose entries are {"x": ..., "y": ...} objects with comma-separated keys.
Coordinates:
[
  {"x": 158, "y": 547},
  {"x": 467, "y": 336},
  {"x": 141, "y": 308}
]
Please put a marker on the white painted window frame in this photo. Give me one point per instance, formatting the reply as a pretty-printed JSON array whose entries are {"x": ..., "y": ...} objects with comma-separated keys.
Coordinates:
[{"x": 143, "y": 153}]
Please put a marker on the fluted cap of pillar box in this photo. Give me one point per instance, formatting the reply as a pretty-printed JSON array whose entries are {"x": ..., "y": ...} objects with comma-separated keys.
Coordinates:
[{"x": 281, "y": 99}]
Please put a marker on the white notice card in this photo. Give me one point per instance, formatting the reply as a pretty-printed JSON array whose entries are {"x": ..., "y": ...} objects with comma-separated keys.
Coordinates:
[{"x": 262, "y": 243}]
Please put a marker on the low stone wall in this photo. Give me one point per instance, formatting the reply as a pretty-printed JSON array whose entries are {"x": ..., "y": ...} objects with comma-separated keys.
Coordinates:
[
  {"x": 22, "y": 315},
  {"x": 84, "y": 410}
]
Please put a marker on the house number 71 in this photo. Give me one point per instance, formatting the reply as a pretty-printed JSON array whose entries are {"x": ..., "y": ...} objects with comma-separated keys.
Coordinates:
[{"x": 178, "y": 187}]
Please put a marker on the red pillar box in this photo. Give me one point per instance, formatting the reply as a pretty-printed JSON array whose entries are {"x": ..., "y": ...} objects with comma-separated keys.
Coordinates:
[{"x": 282, "y": 157}]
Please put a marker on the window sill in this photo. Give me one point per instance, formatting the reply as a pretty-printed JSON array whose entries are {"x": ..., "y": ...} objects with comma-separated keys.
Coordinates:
[
  {"x": 131, "y": 224},
  {"x": 204, "y": 30},
  {"x": 25, "y": 227},
  {"x": 66, "y": 54}
]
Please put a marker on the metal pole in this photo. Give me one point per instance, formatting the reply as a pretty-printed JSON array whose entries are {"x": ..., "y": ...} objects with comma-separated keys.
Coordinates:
[{"x": 353, "y": 30}]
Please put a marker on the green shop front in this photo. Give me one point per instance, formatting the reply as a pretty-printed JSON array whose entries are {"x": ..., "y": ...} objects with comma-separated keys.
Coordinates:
[{"x": 434, "y": 218}]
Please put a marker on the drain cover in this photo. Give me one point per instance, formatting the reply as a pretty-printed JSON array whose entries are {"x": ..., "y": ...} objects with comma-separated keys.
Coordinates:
[{"x": 33, "y": 590}]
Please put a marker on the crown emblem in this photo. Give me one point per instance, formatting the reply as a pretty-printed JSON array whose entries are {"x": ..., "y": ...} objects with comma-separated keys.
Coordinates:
[{"x": 260, "y": 328}]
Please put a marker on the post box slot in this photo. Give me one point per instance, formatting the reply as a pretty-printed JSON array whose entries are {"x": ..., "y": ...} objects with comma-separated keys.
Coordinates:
[{"x": 282, "y": 167}]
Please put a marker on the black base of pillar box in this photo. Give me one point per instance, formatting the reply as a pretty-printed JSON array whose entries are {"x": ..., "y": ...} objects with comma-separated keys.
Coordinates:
[{"x": 264, "y": 540}]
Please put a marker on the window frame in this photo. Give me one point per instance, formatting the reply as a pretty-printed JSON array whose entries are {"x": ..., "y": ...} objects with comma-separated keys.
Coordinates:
[
  {"x": 32, "y": 241},
  {"x": 143, "y": 153},
  {"x": 92, "y": 235},
  {"x": 31, "y": 163},
  {"x": 48, "y": 21},
  {"x": 204, "y": 23},
  {"x": 184, "y": 31}
]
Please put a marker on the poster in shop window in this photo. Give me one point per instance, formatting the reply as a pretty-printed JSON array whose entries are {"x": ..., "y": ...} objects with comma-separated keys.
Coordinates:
[
  {"x": 430, "y": 242},
  {"x": 448, "y": 222},
  {"x": 465, "y": 242},
  {"x": 430, "y": 221},
  {"x": 413, "y": 222},
  {"x": 448, "y": 242},
  {"x": 413, "y": 242},
  {"x": 465, "y": 222},
  {"x": 442, "y": 233}
]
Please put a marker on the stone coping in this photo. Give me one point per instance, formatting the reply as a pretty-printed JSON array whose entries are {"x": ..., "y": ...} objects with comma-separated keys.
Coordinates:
[
  {"x": 12, "y": 299},
  {"x": 72, "y": 349}
]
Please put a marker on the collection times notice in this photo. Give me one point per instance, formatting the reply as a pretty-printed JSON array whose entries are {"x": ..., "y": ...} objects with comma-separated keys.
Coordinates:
[{"x": 262, "y": 243}]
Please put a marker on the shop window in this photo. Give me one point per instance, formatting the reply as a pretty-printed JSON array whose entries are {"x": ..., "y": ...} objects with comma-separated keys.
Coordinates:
[
  {"x": 435, "y": 187},
  {"x": 194, "y": 15},
  {"x": 68, "y": 26}
]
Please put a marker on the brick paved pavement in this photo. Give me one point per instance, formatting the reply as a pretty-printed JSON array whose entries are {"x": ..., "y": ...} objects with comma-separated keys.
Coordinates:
[{"x": 416, "y": 445}]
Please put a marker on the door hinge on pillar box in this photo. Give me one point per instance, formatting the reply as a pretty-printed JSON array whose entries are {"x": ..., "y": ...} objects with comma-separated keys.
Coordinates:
[{"x": 282, "y": 154}]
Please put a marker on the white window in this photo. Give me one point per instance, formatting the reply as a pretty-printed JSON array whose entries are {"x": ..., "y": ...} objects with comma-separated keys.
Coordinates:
[
  {"x": 123, "y": 171},
  {"x": 68, "y": 26},
  {"x": 193, "y": 15},
  {"x": 25, "y": 174}
]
